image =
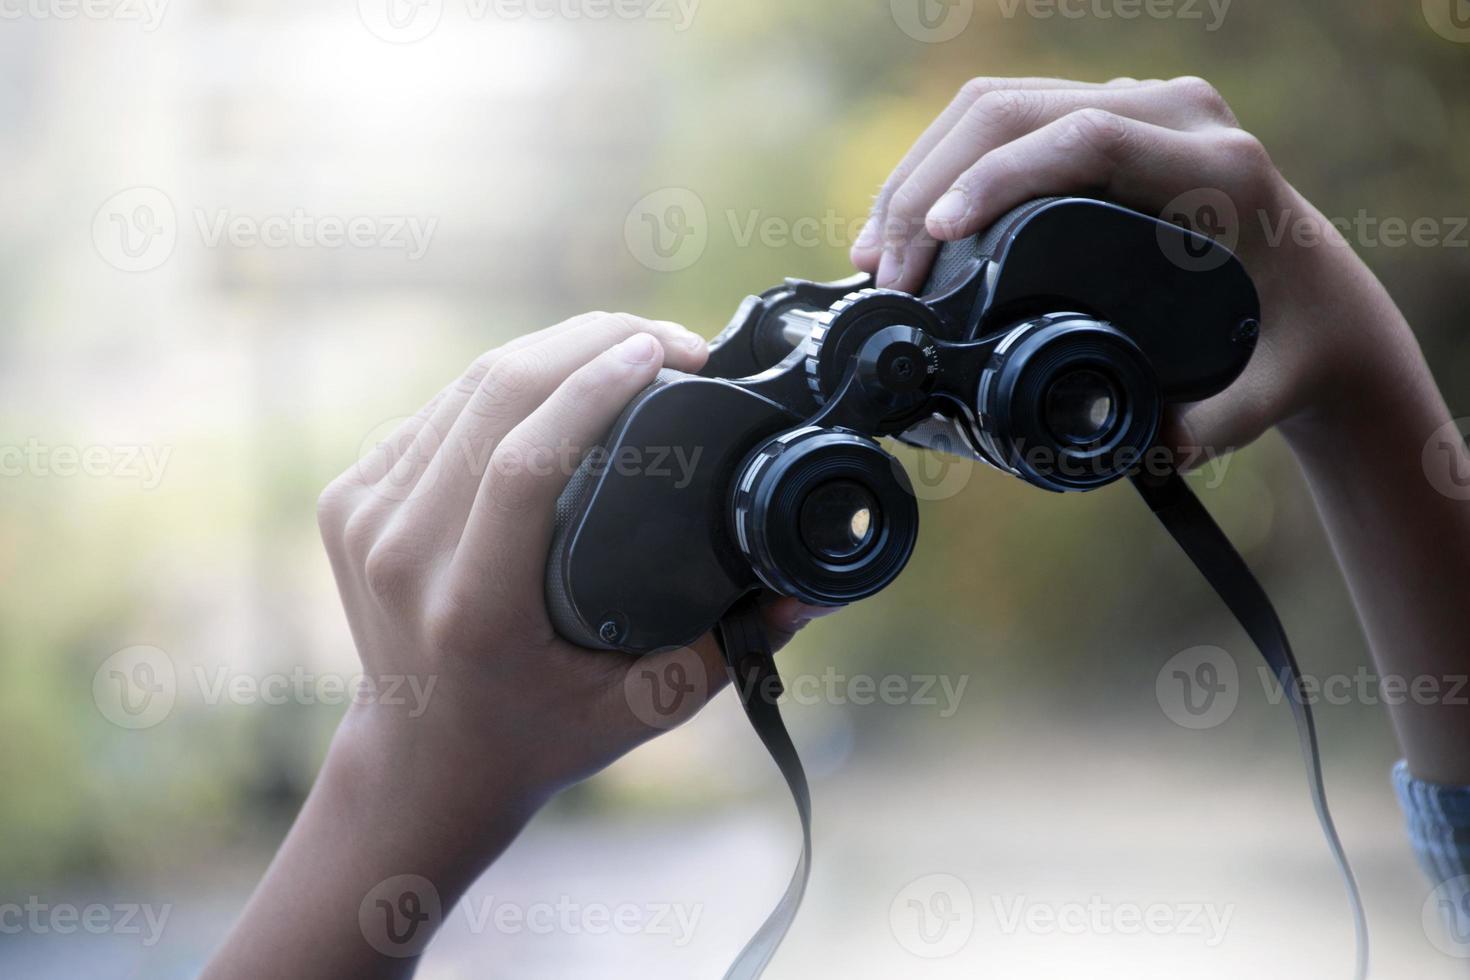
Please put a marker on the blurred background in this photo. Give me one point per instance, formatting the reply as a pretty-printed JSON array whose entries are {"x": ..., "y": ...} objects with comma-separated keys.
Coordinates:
[{"x": 243, "y": 238}]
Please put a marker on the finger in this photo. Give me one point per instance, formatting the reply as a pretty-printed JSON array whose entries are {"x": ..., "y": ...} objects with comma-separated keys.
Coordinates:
[
  {"x": 867, "y": 249},
  {"x": 1093, "y": 151},
  {"x": 508, "y": 530},
  {"x": 785, "y": 617},
  {"x": 688, "y": 677},
  {"x": 1201, "y": 432},
  {"x": 444, "y": 471},
  {"x": 430, "y": 423},
  {"x": 929, "y": 201}
]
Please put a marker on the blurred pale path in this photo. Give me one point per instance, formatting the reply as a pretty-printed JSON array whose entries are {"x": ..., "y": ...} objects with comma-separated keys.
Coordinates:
[
  {"x": 1225, "y": 858},
  {"x": 242, "y": 238}
]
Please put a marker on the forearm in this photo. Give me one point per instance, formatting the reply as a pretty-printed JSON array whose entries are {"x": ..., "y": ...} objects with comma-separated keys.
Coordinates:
[
  {"x": 1404, "y": 545},
  {"x": 364, "y": 825}
]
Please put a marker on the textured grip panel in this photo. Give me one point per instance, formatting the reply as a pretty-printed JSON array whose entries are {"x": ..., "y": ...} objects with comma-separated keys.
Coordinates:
[
  {"x": 570, "y": 506},
  {"x": 954, "y": 258}
]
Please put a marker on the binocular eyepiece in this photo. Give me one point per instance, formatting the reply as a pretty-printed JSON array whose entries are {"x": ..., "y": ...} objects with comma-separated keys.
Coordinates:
[{"x": 824, "y": 515}]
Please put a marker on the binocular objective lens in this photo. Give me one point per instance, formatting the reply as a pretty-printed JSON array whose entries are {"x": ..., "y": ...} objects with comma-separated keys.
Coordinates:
[
  {"x": 1081, "y": 407},
  {"x": 839, "y": 520}
]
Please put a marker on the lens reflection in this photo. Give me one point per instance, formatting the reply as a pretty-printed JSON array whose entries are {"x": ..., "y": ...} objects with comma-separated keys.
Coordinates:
[
  {"x": 1081, "y": 407},
  {"x": 839, "y": 520}
]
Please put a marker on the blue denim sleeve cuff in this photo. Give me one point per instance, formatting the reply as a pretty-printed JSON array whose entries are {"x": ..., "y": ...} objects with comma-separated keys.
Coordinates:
[{"x": 1439, "y": 823}]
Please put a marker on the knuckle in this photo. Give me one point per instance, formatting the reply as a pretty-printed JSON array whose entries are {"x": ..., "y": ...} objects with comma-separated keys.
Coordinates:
[
  {"x": 905, "y": 214},
  {"x": 1098, "y": 130},
  {"x": 594, "y": 319},
  {"x": 359, "y": 534},
  {"x": 332, "y": 506},
  {"x": 977, "y": 87},
  {"x": 448, "y": 626},
  {"x": 510, "y": 377},
  {"x": 1244, "y": 153},
  {"x": 1006, "y": 109},
  {"x": 477, "y": 370},
  {"x": 388, "y": 569},
  {"x": 621, "y": 325},
  {"x": 1200, "y": 93},
  {"x": 511, "y": 483},
  {"x": 896, "y": 180}
]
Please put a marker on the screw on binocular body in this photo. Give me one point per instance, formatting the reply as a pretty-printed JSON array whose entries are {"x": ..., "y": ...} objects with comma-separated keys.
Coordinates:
[
  {"x": 1246, "y": 331},
  {"x": 610, "y": 631}
]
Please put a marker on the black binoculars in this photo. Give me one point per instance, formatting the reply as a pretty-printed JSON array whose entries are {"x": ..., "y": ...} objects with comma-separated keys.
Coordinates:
[{"x": 1047, "y": 346}]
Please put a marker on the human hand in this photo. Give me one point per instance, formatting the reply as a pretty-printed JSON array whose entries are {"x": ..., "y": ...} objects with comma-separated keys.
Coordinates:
[
  {"x": 1173, "y": 149},
  {"x": 439, "y": 541}
]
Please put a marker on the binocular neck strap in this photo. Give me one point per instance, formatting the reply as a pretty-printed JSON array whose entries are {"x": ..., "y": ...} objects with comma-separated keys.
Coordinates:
[
  {"x": 752, "y": 668},
  {"x": 1187, "y": 521}
]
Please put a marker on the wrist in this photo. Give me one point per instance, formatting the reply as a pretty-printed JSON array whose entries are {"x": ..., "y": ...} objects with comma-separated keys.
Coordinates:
[{"x": 428, "y": 800}]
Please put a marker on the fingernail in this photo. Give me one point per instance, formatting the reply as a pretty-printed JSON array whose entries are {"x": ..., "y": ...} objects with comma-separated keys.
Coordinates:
[
  {"x": 890, "y": 266},
  {"x": 638, "y": 349},
  {"x": 682, "y": 335},
  {"x": 949, "y": 210},
  {"x": 868, "y": 237}
]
